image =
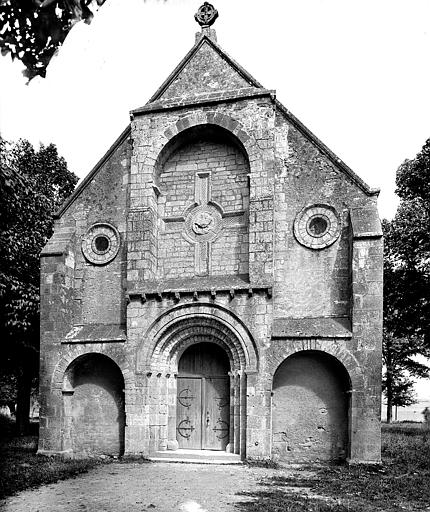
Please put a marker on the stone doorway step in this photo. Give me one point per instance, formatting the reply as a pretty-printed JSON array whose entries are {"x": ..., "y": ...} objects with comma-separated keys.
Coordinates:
[{"x": 196, "y": 457}]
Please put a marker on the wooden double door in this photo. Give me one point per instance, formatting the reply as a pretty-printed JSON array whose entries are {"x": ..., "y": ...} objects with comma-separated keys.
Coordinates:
[{"x": 203, "y": 399}]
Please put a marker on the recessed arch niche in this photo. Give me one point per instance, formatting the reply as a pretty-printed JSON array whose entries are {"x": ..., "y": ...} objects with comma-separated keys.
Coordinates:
[
  {"x": 310, "y": 408},
  {"x": 93, "y": 406},
  {"x": 203, "y": 201}
]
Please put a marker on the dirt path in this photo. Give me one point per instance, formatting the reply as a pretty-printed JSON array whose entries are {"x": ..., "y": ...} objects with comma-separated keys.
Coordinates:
[{"x": 159, "y": 487}]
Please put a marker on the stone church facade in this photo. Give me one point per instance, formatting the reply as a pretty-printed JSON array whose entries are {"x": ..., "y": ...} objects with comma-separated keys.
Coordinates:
[{"x": 215, "y": 283}]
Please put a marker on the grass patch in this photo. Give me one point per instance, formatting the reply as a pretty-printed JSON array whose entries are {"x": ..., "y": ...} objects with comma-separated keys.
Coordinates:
[
  {"x": 401, "y": 483},
  {"x": 263, "y": 463},
  {"x": 21, "y": 468}
]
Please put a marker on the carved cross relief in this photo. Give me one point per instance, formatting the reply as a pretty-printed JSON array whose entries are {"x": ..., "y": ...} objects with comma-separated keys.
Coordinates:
[{"x": 204, "y": 221}]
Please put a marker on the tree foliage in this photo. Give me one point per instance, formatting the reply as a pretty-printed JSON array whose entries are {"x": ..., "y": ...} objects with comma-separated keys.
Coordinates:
[
  {"x": 408, "y": 243},
  {"x": 8, "y": 389},
  {"x": 401, "y": 366},
  {"x": 407, "y": 280},
  {"x": 33, "y": 184},
  {"x": 33, "y": 30}
]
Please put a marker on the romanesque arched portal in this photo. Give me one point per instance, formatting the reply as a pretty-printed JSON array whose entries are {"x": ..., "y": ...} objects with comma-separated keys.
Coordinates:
[{"x": 195, "y": 358}]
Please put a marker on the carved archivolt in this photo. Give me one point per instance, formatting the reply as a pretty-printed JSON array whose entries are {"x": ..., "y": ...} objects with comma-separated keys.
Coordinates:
[{"x": 188, "y": 324}]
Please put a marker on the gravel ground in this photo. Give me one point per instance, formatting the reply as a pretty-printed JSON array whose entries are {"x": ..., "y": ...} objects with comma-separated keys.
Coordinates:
[{"x": 161, "y": 487}]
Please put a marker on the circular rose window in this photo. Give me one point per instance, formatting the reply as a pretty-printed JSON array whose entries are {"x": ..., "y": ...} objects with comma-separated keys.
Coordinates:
[
  {"x": 317, "y": 226},
  {"x": 101, "y": 244}
]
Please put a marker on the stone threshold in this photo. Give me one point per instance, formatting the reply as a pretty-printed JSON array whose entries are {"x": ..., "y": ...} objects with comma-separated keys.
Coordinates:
[{"x": 196, "y": 457}]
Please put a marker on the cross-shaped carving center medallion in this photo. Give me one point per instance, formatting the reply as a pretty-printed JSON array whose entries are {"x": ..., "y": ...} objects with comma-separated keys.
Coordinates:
[{"x": 204, "y": 221}]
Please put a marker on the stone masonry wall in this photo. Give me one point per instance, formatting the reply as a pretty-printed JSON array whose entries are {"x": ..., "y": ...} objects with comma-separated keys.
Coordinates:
[
  {"x": 311, "y": 283},
  {"x": 367, "y": 296},
  {"x": 310, "y": 410},
  {"x": 325, "y": 283},
  {"x": 56, "y": 317},
  {"x": 99, "y": 290},
  {"x": 75, "y": 292}
]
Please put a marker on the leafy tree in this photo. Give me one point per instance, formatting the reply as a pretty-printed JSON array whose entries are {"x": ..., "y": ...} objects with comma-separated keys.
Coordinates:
[
  {"x": 8, "y": 390},
  {"x": 407, "y": 278},
  {"x": 404, "y": 393},
  {"x": 409, "y": 243},
  {"x": 33, "y": 30},
  {"x": 400, "y": 366},
  {"x": 33, "y": 184}
]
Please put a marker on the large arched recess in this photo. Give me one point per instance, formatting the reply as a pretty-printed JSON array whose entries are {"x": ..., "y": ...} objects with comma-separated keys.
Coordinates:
[
  {"x": 93, "y": 406},
  {"x": 203, "y": 172},
  {"x": 210, "y": 119},
  {"x": 206, "y": 132},
  {"x": 310, "y": 408}
]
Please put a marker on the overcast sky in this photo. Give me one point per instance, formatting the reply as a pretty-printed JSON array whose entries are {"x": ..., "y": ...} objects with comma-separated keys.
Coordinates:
[{"x": 356, "y": 73}]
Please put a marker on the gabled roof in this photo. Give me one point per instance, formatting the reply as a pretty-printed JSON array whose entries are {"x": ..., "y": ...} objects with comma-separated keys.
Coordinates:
[
  {"x": 237, "y": 83},
  {"x": 159, "y": 101}
]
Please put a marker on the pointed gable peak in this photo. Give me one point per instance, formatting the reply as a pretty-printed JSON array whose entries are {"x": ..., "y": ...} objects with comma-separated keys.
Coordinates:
[{"x": 206, "y": 68}]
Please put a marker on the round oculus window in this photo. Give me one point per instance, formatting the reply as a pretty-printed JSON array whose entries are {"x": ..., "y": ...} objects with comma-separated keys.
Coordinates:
[
  {"x": 100, "y": 244},
  {"x": 317, "y": 226}
]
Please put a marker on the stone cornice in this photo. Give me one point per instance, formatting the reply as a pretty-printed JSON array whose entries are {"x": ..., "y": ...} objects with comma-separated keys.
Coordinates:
[
  {"x": 318, "y": 327},
  {"x": 212, "y": 98},
  {"x": 177, "y": 288}
]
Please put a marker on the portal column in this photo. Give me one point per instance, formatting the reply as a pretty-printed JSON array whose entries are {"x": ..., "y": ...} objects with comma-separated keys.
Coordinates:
[
  {"x": 67, "y": 444},
  {"x": 172, "y": 390},
  {"x": 243, "y": 414},
  {"x": 234, "y": 434}
]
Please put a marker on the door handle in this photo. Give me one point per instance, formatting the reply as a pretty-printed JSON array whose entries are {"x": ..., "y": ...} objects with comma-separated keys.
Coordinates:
[{"x": 208, "y": 419}]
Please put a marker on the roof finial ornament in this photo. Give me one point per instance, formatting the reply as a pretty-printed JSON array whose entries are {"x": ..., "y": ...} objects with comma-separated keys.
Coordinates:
[{"x": 206, "y": 15}]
